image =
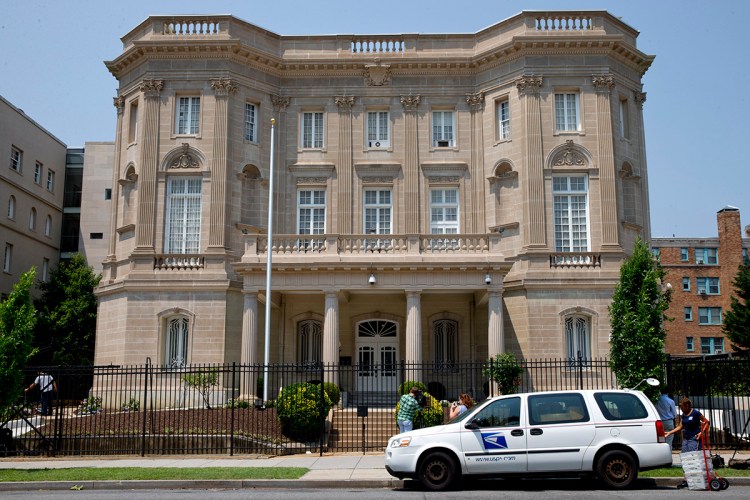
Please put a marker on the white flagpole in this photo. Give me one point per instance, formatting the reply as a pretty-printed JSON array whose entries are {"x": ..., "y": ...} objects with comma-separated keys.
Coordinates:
[{"x": 269, "y": 253}]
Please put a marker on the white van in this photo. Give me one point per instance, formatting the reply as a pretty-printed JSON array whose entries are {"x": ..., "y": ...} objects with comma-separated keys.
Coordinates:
[{"x": 610, "y": 433}]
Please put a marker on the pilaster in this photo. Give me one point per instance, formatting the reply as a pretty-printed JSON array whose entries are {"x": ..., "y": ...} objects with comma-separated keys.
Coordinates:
[
  {"x": 411, "y": 164},
  {"x": 119, "y": 103},
  {"x": 149, "y": 158},
  {"x": 344, "y": 167},
  {"x": 217, "y": 233},
  {"x": 495, "y": 328},
  {"x": 603, "y": 85}
]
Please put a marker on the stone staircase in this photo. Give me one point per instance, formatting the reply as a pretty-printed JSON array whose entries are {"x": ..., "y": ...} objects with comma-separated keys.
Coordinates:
[
  {"x": 372, "y": 399},
  {"x": 350, "y": 432}
]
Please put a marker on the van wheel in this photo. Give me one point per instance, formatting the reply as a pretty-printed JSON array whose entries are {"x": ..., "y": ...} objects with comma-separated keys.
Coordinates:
[
  {"x": 437, "y": 471},
  {"x": 617, "y": 469}
]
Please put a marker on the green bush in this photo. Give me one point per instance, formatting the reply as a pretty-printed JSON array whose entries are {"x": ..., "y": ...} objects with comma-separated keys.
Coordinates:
[
  {"x": 299, "y": 410},
  {"x": 333, "y": 392},
  {"x": 132, "y": 405},
  {"x": 237, "y": 403},
  {"x": 432, "y": 414},
  {"x": 405, "y": 387},
  {"x": 505, "y": 370}
]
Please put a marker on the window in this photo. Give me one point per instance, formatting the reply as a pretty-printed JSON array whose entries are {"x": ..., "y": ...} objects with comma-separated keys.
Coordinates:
[
  {"x": 500, "y": 413},
  {"x": 12, "y": 207},
  {"x": 177, "y": 342},
  {"x": 444, "y": 211},
  {"x": 712, "y": 345},
  {"x": 188, "y": 115},
  {"x": 442, "y": 129},
  {"x": 16, "y": 159},
  {"x": 183, "y": 224},
  {"x": 624, "y": 119},
  {"x": 108, "y": 193},
  {"x": 32, "y": 219},
  {"x": 133, "y": 122},
  {"x": 48, "y": 226},
  {"x": 503, "y": 120},
  {"x": 50, "y": 181},
  {"x": 7, "y": 257},
  {"x": 745, "y": 258},
  {"x": 706, "y": 256},
  {"x": 577, "y": 343},
  {"x": 96, "y": 236},
  {"x": 309, "y": 342},
  {"x": 688, "y": 312},
  {"x": 686, "y": 283},
  {"x": 656, "y": 252},
  {"x": 689, "y": 344},
  {"x": 708, "y": 286},
  {"x": 684, "y": 254},
  {"x": 45, "y": 269},
  {"x": 378, "y": 210},
  {"x": 547, "y": 409},
  {"x": 567, "y": 112},
  {"x": 312, "y": 211},
  {"x": 618, "y": 406},
  {"x": 250, "y": 122},
  {"x": 445, "y": 339},
  {"x": 38, "y": 173},
  {"x": 709, "y": 315},
  {"x": 570, "y": 199},
  {"x": 378, "y": 129},
  {"x": 312, "y": 130}
]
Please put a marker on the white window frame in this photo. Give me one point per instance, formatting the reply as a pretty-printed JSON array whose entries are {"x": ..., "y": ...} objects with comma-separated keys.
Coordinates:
[
  {"x": 577, "y": 329},
  {"x": 567, "y": 205},
  {"x": 251, "y": 122},
  {"x": 442, "y": 131},
  {"x": 445, "y": 334},
  {"x": 176, "y": 342},
  {"x": 182, "y": 226},
  {"x": 708, "y": 285},
  {"x": 567, "y": 111},
  {"x": 378, "y": 129},
  {"x": 503, "y": 119},
  {"x": 309, "y": 342},
  {"x": 311, "y": 218},
  {"x": 684, "y": 254},
  {"x": 312, "y": 129},
  {"x": 8, "y": 258},
  {"x": 38, "y": 169},
  {"x": 187, "y": 115},
  {"x": 11, "y": 207},
  {"x": 709, "y": 316},
  {"x": 16, "y": 159},
  {"x": 708, "y": 256},
  {"x": 377, "y": 213},
  {"x": 51, "y": 181},
  {"x": 445, "y": 213},
  {"x": 686, "y": 283},
  {"x": 712, "y": 345},
  {"x": 689, "y": 344},
  {"x": 687, "y": 313}
]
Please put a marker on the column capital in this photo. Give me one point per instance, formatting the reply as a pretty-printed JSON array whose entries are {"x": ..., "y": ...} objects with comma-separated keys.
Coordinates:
[
  {"x": 279, "y": 103},
  {"x": 344, "y": 103},
  {"x": 410, "y": 102},
  {"x": 413, "y": 293},
  {"x": 151, "y": 88},
  {"x": 640, "y": 98},
  {"x": 119, "y": 103},
  {"x": 475, "y": 101},
  {"x": 603, "y": 83},
  {"x": 223, "y": 86},
  {"x": 529, "y": 84}
]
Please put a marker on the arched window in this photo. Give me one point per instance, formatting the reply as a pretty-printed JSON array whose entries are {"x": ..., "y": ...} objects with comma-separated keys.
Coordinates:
[
  {"x": 48, "y": 226},
  {"x": 32, "y": 219},
  {"x": 12, "y": 207},
  {"x": 577, "y": 339},
  {"x": 445, "y": 340},
  {"x": 177, "y": 342},
  {"x": 309, "y": 342}
]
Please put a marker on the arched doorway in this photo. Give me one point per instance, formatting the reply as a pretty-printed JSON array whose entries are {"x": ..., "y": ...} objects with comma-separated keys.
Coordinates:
[{"x": 377, "y": 356}]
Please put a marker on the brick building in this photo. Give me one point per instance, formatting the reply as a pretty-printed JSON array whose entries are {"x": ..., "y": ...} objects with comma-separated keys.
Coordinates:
[{"x": 701, "y": 272}]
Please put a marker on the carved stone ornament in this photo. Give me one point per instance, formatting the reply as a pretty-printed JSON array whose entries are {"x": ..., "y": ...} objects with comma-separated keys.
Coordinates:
[
  {"x": 185, "y": 160},
  {"x": 444, "y": 179},
  {"x": 152, "y": 88},
  {"x": 640, "y": 98},
  {"x": 377, "y": 180},
  {"x": 279, "y": 103},
  {"x": 344, "y": 103},
  {"x": 312, "y": 180},
  {"x": 569, "y": 157},
  {"x": 119, "y": 103},
  {"x": 603, "y": 82},
  {"x": 410, "y": 102},
  {"x": 223, "y": 86},
  {"x": 529, "y": 84},
  {"x": 475, "y": 101},
  {"x": 376, "y": 75}
]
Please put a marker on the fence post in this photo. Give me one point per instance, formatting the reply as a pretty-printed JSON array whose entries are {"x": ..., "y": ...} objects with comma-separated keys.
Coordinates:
[
  {"x": 322, "y": 406},
  {"x": 145, "y": 410},
  {"x": 233, "y": 403},
  {"x": 580, "y": 371},
  {"x": 491, "y": 381}
]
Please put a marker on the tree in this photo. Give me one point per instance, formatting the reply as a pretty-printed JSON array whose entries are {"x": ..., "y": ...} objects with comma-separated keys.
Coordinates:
[
  {"x": 17, "y": 319},
  {"x": 66, "y": 330},
  {"x": 505, "y": 370},
  {"x": 637, "y": 319},
  {"x": 737, "y": 318}
]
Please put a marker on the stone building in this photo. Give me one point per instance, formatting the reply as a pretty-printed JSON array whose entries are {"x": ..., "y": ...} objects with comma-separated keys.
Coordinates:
[
  {"x": 701, "y": 272},
  {"x": 437, "y": 198}
]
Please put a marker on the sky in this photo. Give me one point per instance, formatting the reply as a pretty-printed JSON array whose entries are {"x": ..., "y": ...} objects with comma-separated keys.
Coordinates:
[{"x": 696, "y": 115}]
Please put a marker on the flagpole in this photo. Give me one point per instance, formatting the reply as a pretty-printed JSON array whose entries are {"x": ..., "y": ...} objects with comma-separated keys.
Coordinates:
[{"x": 269, "y": 253}]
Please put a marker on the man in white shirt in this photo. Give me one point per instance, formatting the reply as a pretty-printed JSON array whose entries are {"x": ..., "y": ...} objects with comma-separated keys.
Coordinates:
[{"x": 48, "y": 388}]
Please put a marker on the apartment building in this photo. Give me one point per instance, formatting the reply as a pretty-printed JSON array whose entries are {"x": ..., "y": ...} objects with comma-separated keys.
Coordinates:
[
  {"x": 701, "y": 272},
  {"x": 436, "y": 198}
]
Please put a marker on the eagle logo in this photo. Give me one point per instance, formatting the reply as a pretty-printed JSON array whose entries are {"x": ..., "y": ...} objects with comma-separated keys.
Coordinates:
[{"x": 494, "y": 440}]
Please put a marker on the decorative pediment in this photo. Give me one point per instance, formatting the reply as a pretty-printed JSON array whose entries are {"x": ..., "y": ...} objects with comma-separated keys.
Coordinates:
[
  {"x": 312, "y": 172},
  {"x": 185, "y": 159},
  {"x": 455, "y": 169},
  {"x": 377, "y": 172},
  {"x": 569, "y": 155}
]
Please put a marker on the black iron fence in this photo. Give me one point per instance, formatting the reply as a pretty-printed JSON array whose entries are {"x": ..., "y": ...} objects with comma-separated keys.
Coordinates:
[{"x": 221, "y": 409}]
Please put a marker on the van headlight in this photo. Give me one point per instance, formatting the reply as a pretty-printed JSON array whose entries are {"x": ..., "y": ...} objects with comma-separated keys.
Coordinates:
[{"x": 400, "y": 442}]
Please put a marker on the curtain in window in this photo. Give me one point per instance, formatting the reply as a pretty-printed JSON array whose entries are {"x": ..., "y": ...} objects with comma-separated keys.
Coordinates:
[
  {"x": 177, "y": 343},
  {"x": 183, "y": 215}
]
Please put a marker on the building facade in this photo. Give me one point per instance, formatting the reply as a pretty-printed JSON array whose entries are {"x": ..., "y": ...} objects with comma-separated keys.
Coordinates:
[
  {"x": 31, "y": 193},
  {"x": 436, "y": 198},
  {"x": 701, "y": 272}
]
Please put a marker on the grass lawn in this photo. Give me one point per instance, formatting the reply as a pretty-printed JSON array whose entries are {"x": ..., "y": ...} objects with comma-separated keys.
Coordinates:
[
  {"x": 146, "y": 473},
  {"x": 677, "y": 472}
]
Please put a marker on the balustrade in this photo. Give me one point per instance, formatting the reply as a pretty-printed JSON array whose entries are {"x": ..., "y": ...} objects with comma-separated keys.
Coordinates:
[
  {"x": 575, "y": 259},
  {"x": 175, "y": 262}
]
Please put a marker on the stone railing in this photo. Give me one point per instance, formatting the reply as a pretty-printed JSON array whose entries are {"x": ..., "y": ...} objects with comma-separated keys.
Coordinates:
[
  {"x": 178, "y": 261},
  {"x": 377, "y": 44},
  {"x": 575, "y": 260},
  {"x": 458, "y": 243},
  {"x": 291, "y": 244},
  {"x": 564, "y": 21},
  {"x": 383, "y": 243},
  {"x": 190, "y": 26}
]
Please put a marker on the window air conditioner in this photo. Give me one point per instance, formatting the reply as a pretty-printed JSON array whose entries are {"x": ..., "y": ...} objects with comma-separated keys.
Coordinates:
[
  {"x": 702, "y": 291},
  {"x": 374, "y": 144},
  {"x": 699, "y": 261},
  {"x": 443, "y": 144},
  {"x": 718, "y": 351}
]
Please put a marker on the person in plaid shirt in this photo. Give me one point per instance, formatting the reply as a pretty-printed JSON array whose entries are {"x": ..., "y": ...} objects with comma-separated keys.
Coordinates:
[{"x": 407, "y": 410}]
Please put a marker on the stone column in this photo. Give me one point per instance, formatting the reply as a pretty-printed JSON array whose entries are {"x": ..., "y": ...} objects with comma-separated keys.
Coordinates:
[
  {"x": 534, "y": 227},
  {"x": 220, "y": 190},
  {"x": 495, "y": 329},
  {"x": 249, "y": 348},
  {"x": 111, "y": 259},
  {"x": 608, "y": 189},
  {"x": 413, "y": 334},
  {"x": 331, "y": 336},
  {"x": 476, "y": 219},
  {"x": 411, "y": 164},
  {"x": 640, "y": 99},
  {"x": 344, "y": 166},
  {"x": 148, "y": 159}
]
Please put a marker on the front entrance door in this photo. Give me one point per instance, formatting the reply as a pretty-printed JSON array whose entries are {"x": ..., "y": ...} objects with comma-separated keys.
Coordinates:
[{"x": 377, "y": 356}]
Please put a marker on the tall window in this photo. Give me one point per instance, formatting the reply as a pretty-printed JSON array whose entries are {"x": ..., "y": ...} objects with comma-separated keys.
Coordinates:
[
  {"x": 444, "y": 211},
  {"x": 250, "y": 121},
  {"x": 712, "y": 345},
  {"x": 378, "y": 203},
  {"x": 442, "y": 129},
  {"x": 378, "y": 129},
  {"x": 577, "y": 338},
  {"x": 684, "y": 254},
  {"x": 445, "y": 340},
  {"x": 50, "y": 181},
  {"x": 312, "y": 211},
  {"x": 48, "y": 226},
  {"x": 183, "y": 224},
  {"x": 16, "y": 159},
  {"x": 188, "y": 115},
  {"x": 45, "y": 269},
  {"x": 708, "y": 286},
  {"x": 503, "y": 120},
  {"x": 133, "y": 122},
  {"x": 688, "y": 313},
  {"x": 12, "y": 207},
  {"x": 7, "y": 257},
  {"x": 177, "y": 342},
  {"x": 624, "y": 119},
  {"x": 709, "y": 315},
  {"x": 309, "y": 342},
  {"x": 312, "y": 130},
  {"x": 686, "y": 283},
  {"x": 32, "y": 219},
  {"x": 570, "y": 199},
  {"x": 567, "y": 112},
  {"x": 38, "y": 173},
  {"x": 707, "y": 256},
  {"x": 689, "y": 344}
]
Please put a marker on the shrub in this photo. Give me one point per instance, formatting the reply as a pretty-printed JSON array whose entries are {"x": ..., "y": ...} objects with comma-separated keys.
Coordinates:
[
  {"x": 202, "y": 381},
  {"x": 406, "y": 387},
  {"x": 132, "y": 405},
  {"x": 505, "y": 370},
  {"x": 333, "y": 392},
  {"x": 90, "y": 405},
  {"x": 300, "y": 411},
  {"x": 237, "y": 403}
]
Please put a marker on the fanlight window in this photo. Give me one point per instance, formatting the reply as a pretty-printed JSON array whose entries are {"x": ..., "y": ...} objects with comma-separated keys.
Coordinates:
[{"x": 377, "y": 328}]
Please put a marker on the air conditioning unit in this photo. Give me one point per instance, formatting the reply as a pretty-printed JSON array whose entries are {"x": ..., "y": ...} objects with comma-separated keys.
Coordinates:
[
  {"x": 699, "y": 261},
  {"x": 443, "y": 144},
  {"x": 702, "y": 291},
  {"x": 718, "y": 351},
  {"x": 374, "y": 144}
]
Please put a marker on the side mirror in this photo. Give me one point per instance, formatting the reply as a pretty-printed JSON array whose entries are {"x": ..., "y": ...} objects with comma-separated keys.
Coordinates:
[{"x": 472, "y": 426}]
